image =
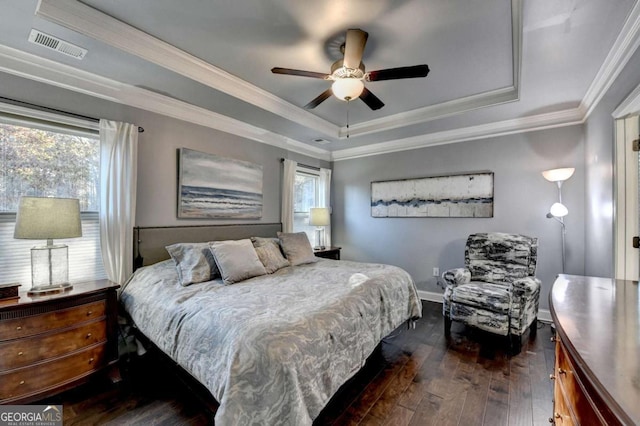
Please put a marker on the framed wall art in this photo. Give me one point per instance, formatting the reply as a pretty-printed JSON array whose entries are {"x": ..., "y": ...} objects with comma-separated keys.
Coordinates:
[
  {"x": 463, "y": 195},
  {"x": 210, "y": 186}
]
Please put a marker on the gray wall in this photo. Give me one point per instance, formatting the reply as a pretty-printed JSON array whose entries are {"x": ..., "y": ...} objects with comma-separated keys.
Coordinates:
[
  {"x": 157, "y": 168},
  {"x": 522, "y": 199},
  {"x": 599, "y": 173}
]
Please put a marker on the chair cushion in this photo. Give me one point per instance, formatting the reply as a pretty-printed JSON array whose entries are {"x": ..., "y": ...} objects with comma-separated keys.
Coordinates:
[{"x": 490, "y": 296}]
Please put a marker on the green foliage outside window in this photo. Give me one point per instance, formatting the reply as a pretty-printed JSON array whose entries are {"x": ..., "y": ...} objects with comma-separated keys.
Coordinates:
[{"x": 43, "y": 163}]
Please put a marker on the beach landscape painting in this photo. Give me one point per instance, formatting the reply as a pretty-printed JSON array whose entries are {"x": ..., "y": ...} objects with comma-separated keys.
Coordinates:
[
  {"x": 464, "y": 195},
  {"x": 210, "y": 186}
]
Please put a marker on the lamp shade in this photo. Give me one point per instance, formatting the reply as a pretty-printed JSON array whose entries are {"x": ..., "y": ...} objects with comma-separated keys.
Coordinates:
[
  {"x": 347, "y": 89},
  {"x": 319, "y": 216},
  {"x": 48, "y": 218},
  {"x": 558, "y": 175},
  {"x": 558, "y": 210}
]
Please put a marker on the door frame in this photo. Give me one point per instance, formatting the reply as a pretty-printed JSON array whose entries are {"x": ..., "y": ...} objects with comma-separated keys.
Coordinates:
[{"x": 626, "y": 206}]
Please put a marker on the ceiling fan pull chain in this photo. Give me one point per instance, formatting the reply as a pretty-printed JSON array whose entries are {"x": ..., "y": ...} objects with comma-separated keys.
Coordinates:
[{"x": 348, "y": 100}]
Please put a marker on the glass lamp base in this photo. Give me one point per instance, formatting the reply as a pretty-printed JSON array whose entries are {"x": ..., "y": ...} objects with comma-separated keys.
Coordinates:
[{"x": 46, "y": 289}]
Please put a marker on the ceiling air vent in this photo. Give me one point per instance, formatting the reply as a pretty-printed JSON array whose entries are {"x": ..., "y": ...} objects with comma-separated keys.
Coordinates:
[
  {"x": 54, "y": 43},
  {"x": 321, "y": 141}
]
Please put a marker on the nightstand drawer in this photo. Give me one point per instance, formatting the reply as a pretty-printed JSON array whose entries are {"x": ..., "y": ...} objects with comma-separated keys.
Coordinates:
[
  {"x": 22, "y": 352},
  {"x": 30, "y": 325},
  {"x": 40, "y": 377}
]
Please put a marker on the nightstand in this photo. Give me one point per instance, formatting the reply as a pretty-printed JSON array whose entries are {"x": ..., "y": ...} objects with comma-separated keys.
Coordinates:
[
  {"x": 328, "y": 253},
  {"x": 53, "y": 342}
]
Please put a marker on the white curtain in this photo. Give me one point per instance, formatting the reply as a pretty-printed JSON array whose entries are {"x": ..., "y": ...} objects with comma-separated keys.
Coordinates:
[
  {"x": 288, "y": 183},
  {"x": 118, "y": 182},
  {"x": 324, "y": 195}
]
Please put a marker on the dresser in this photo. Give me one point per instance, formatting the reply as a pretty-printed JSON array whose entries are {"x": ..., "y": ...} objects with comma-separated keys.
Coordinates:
[
  {"x": 597, "y": 365},
  {"x": 53, "y": 342}
]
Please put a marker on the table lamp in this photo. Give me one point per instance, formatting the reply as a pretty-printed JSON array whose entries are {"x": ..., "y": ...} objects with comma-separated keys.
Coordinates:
[
  {"x": 41, "y": 218},
  {"x": 319, "y": 217}
]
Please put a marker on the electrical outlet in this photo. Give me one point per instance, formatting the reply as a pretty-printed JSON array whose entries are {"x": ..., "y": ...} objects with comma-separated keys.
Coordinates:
[{"x": 436, "y": 272}]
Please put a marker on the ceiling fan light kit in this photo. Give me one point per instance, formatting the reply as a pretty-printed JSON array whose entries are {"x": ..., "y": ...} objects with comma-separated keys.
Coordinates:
[
  {"x": 347, "y": 89},
  {"x": 349, "y": 76}
]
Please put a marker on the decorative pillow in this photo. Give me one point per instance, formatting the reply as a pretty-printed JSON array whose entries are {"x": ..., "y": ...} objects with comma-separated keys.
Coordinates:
[
  {"x": 296, "y": 248},
  {"x": 237, "y": 260},
  {"x": 268, "y": 251},
  {"x": 194, "y": 262}
]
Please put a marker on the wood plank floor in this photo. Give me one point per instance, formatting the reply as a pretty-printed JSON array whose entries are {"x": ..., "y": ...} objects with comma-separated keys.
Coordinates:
[{"x": 416, "y": 377}]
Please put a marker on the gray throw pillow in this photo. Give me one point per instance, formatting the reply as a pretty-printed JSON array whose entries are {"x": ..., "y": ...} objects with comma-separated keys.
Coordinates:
[
  {"x": 194, "y": 262},
  {"x": 237, "y": 260},
  {"x": 268, "y": 250},
  {"x": 296, "y": 248}
]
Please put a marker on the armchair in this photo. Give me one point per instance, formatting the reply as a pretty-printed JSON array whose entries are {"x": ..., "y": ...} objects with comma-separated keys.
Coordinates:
[{"x": 497, "y": 290}]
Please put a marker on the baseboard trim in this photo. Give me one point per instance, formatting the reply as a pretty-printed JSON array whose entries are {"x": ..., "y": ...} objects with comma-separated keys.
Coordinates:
[{"x": 543, "y": 314}]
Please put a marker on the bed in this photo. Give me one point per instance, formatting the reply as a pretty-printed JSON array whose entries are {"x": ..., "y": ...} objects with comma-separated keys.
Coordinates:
[{"x": 274, "y": 348}]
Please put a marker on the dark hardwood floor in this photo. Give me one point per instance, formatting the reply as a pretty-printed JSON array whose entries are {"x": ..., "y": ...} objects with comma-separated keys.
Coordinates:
[{"x": 416, "y": 377}]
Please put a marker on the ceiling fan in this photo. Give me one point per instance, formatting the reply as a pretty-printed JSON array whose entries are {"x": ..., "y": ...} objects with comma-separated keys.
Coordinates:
[{"x": 348, "y": 74}]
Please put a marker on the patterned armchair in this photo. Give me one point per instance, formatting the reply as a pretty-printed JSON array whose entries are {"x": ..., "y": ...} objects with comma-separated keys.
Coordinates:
[{"x": 497, "y": 290}]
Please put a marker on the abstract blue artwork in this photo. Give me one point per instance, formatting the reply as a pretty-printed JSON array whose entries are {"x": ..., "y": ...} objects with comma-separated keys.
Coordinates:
[
  {"x": 210, "y": 186},
  {"x": 464, "y": 195}
]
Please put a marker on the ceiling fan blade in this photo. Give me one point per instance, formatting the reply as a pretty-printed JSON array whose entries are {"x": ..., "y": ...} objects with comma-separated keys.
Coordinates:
[
  {"x": 398, "y": 73},
  {"x": 354, "y": 48},
  {"x": 301, "y": 73},
  {"x": 371, "y": 100},
  {"x": 319, "y": 99}
]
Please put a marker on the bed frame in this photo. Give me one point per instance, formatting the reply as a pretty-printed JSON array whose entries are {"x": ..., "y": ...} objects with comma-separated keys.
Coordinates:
[{"x": 149, "y": 242}]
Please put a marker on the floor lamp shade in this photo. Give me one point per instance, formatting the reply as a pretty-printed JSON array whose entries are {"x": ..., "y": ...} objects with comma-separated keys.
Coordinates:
[{"x": 48, "y": 219}]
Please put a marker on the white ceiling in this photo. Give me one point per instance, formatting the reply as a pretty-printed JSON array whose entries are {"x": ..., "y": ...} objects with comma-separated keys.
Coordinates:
[{"x": 497, "y": 66}]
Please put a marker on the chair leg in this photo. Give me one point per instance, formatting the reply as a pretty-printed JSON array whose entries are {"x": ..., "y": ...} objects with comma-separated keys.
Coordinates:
[
  {"x": 533, "y": 329},
  {"x": 515, "y": 342},
  {"x": 447, "y": 326}
]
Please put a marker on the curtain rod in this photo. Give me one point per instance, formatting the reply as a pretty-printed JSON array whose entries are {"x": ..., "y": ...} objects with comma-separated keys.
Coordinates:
[
  {"x": 306, "y": 166},
  {"x": 58, "y": 111}
]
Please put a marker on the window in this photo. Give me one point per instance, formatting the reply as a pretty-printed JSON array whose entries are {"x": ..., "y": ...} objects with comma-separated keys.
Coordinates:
[
  {"x": 306, "y": 195},
  {"x": 45, "y": 160}
]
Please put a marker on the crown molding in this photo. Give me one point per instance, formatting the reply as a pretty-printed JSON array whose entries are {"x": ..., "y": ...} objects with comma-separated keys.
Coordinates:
[
  {"x": 517, "y": 125},
  {"x": 92, "y": 23},
  {"x": 630, "y": 105},
  {"x": 36, "y": 68},
  {"x": 432, "y": 112},
  {"x": 623, "y": 48}
]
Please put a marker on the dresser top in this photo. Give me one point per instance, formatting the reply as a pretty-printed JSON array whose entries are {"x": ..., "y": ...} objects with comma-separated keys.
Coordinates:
[
  {"x": 598, "y": 320},
  {"x": 78, "y": 290}
]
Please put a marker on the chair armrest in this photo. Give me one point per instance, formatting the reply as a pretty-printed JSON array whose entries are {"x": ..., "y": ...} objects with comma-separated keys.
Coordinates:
[
  {"x": 457, "y": 276},
  {"x": 526, "y": 285}
]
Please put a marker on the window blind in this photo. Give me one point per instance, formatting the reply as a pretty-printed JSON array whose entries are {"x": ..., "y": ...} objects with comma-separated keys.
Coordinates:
[{"x": 85, "y": 261}]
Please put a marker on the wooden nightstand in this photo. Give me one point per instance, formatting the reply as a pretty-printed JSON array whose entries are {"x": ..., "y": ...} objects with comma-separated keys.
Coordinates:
[
  {"x": 53, "y": 342},
  {"x": 328, "y": 253}
]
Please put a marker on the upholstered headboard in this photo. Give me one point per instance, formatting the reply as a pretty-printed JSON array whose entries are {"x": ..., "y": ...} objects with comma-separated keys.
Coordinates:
[{"x": 149, "y": 242}]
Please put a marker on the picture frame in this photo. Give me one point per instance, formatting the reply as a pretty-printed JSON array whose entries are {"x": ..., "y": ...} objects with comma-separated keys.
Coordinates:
[
  {"x": 214, "y": 187},
  {"x": 460, "y": 195}
]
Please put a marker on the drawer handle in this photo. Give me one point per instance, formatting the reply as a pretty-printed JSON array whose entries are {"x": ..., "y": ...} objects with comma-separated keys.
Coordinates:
[
  {"x": 88, "y": 335},
  {"x": 90, "y": 360},
  {"x": 89, "y": 313},
  {"x": 561, "y": 371},
  {"x": 552, "y": 377},
  {"x": 18, "y": 328},
  {"x": 20, "y": 353},
  {"x": 22, "y": 382},
  {"x": 553, "y": 339}
]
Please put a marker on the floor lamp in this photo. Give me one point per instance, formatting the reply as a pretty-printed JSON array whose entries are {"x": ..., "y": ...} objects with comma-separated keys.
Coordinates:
[{"x": 558, "y": 210}]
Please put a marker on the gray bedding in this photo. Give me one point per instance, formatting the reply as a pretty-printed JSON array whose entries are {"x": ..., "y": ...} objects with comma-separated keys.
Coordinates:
[{"x": 273, "y": 349}]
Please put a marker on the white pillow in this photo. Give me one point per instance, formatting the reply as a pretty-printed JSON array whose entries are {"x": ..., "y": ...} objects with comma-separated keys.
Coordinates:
[{"x": 237, "y": 260}]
